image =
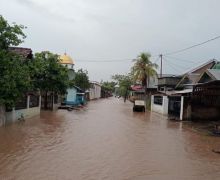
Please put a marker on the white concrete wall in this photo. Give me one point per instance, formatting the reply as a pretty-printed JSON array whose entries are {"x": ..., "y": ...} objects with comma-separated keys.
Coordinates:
[
  {"x": 162, "y": 109},
  {"x": 26, "y": 113},
  {"x": 95, "y": 92},
  {"x": 181, "y": 108}
]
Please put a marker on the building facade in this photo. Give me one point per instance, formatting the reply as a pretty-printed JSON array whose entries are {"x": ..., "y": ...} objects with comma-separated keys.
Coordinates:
[{"x": 94, "y": 90}]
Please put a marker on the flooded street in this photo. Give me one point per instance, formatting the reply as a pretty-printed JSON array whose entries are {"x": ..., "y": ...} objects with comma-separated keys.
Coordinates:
[{"x": 106, "y": 140}]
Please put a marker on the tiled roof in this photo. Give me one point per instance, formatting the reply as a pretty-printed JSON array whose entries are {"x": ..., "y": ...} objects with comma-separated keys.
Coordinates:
[{"x": 24, "y": 52}]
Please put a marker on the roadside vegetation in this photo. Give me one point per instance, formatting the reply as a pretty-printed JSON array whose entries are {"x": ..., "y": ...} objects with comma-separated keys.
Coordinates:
[
  {"x": 141, "y": 72},
  {"x": 19, "y": 75}
]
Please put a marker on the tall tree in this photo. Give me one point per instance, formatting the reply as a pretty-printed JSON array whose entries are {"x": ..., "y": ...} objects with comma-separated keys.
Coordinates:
[
  {"x": 81, "y": 79},
  {"x": 143, "y": 69},
  {"x": 48, "y": 75},
  {"x": 10, "y": 35},
  {"x": 14, "y": 79},
  {"x": 124, "y": 82}
]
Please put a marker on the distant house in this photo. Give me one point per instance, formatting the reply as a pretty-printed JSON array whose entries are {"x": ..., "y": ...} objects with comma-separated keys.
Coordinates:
[
  {"x": 25, "y": 53},
  {"x": 160, "y": 100},
  {"x": 168, "y": 82},
  {"x": 75, "y": 96},
  {"x": 94, "y": 90}
]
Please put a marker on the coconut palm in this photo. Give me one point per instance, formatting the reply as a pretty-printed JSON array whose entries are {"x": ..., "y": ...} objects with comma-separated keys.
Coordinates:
[{"x": 143, "y": 69}]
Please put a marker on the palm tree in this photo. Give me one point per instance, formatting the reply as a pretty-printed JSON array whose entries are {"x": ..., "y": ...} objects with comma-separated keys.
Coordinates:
[{"x": 143, "y": 69}]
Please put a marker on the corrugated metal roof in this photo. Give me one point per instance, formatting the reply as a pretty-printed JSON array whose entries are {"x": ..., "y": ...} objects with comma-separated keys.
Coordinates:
[{"x": 215, "y": 73}]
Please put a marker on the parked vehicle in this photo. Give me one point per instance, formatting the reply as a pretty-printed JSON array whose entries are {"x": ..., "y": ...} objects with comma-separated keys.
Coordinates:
[{"x": 139, "y": 105}]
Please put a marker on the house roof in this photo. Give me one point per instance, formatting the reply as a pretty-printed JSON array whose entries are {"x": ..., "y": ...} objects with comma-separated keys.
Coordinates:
[
  {"x": 78, "y": 89},
  {"x": 24, "y": 52},
  {"x": 208, "y": 65},
  {"x": 137, "y": 87},
  {"x": 188, "y": 79},
  {"x": 193, "y": 76},
  {"x": 94, "y": 82},
  {"x": 209, "y": 75},
  {"x": 185, "y": 91},
  {"x": 214, "y": 73},
  {"x": 216, "y": 66},
  {"x": 169, "y": 76}
]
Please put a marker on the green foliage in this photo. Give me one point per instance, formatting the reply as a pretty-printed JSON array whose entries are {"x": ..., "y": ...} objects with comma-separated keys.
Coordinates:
[
  {"x": 47, "y": 74},
  {"x": 108, "y": 86},
  {"x": 124, "y": 82},
  {"x": 10, "y": 35},
  {"x": 81, "y": 79},
  {"x": 143, "y": 69},
  {"x": 14, "y": 74},
  {"x": 14, "y": 78}
]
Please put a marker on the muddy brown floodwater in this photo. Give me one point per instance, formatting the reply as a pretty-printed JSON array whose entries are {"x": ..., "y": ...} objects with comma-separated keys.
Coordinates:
[{"x": 106, "y": 140}]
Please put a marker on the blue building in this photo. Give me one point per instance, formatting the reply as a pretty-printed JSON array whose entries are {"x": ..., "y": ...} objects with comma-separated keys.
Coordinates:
[{"x": 75, "y": 95}]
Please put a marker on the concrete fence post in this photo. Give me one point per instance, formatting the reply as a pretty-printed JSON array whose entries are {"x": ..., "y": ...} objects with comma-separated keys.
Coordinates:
[{"x": 28, "y": 101}]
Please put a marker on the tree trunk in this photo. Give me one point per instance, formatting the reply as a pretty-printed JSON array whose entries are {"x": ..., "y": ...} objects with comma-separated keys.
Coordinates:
[
  {"x": 2, "y": 115},
  {"x": 45, "y": 100}
]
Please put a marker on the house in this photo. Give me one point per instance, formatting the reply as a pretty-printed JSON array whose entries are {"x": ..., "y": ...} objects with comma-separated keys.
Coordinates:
[
  {"x": 191, "y": 78},
  {"x": 168, "y": 82},
  {"x": 174, "y": 97},
  {"x": 205, "y": 101},
  {"x": 159, "y": 103},
  {"x": 75, "y": 96},
  {"x": 210, "y": 75},
  {"x": 166, "y": 85},
  {"x": 29, "y": 105},
  {"x": 94, "y": 90}
]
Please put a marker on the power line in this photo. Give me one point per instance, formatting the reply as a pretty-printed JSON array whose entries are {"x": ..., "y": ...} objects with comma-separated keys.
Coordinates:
[
  {"x": 111, "y": 60},
  {"x": 178, "y": 66},
  {"x": 104, "y": 61},
  {"x": 190, "y": 47},
  {"x": 172, "y": 66},
  {"x": 178, "y": 59}
]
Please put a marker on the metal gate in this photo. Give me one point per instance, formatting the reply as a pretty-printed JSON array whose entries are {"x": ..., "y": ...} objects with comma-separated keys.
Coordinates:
[{"x": 174, "y": 105}]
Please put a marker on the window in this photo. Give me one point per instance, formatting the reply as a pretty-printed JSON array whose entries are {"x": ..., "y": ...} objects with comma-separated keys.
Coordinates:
[{"x": 158, "y": 100}]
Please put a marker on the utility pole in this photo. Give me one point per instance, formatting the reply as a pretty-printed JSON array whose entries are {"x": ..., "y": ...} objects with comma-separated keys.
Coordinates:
[{"x": 161, "y": 64}]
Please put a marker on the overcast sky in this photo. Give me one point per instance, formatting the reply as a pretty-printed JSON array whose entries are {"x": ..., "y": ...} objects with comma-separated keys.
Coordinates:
[{"x": 118, "y": 30}]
